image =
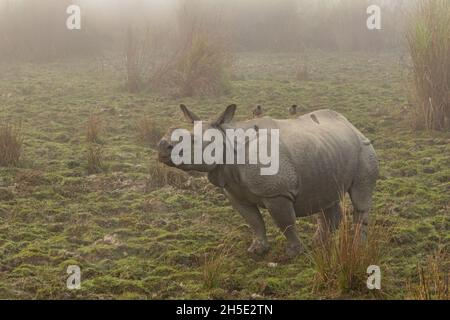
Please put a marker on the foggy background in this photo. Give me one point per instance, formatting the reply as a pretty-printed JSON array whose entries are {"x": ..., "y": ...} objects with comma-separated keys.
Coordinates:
[{"x": 36, "y": 30}]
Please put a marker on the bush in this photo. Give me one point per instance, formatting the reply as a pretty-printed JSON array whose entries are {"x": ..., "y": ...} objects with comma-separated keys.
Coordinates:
[
  {"x": 93, "y": 129},
  {"x": 214, "y": 266},
  {"x": 94, "y": 159},
  {"x": 149, "y": 133},
  {"x": 160, "y": 176},
  {"x": 10, "y": 145},
  {"x": 341, "y": 260},
  {"x": 429, "y": 45},
  {"x": 203, "y": 66}
]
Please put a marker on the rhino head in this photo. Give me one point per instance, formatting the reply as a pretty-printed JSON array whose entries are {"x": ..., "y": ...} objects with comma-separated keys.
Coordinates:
[{"x": 166, "y": 145}]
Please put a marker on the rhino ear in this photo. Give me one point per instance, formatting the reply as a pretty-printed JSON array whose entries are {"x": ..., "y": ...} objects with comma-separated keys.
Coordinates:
[
  {"x": 189, "y": 115},
  {"x": 227, "y": 115}
]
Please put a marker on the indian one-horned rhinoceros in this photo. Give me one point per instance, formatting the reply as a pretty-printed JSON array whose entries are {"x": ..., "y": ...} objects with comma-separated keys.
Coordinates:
[{"x": 321, "y": 157}]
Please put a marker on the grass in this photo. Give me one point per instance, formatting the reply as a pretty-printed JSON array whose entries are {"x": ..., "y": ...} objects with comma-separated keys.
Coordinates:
[
  {"x": 11, "y": 143},
  {"x": 93, "y": 129},
  {"x": 342, "y": 258},
  {"x": 61, "y": 215},
  {"x": 94, "y": 156},
  {"x": 429, "y": 46},
  {"x": 148, "y": 132},
  {"x": 203, "y": 66},
  {"x": 214, "y": 267},
  {"x": 433, "y": 278},
  {"x": 161, "y": 175},
  {"x": 302, "y": 73}
]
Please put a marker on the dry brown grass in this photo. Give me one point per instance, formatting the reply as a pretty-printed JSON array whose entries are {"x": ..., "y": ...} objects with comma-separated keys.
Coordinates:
[
  {"x": 342, "y": 259},
  {"x": 429, "y": 45},
  {"x": 214, "y": 266},
  {"x": 11, "y": 143},
  {"x": 161, "y": 175},
  {"x": 148, "y": 131},
  {"x": 93, "y": 129},
  {"x": 203, "y": 66},
  {"x": 433, "y": 278},
  {"x": 94, "y": 157},
  {"x": 30, "y": 178}
]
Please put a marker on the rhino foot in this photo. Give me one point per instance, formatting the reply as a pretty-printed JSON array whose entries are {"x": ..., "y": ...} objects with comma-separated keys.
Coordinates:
[
  {"x": 294, "y": 249},
  {"x": 258, "y": 247}
]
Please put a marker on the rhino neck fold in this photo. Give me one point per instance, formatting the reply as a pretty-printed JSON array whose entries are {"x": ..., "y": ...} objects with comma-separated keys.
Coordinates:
[{"x": 223, "y": 175}]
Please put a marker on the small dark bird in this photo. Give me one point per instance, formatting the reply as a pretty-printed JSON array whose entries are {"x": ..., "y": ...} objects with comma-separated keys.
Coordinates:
[
  {"x": 257, "y": 112},
  {"x": 293, "y": 110}
]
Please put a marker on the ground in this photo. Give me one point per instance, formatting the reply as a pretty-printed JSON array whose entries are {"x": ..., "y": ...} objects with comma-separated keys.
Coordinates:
[{"x": 134, "y": 240}]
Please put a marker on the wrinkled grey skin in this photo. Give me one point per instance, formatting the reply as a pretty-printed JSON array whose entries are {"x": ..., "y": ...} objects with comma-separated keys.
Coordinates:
[{"x": 322, "y": 156}]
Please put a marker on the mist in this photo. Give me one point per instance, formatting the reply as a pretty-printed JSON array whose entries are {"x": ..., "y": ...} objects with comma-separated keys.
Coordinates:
[
  {"x": 36, "y": 30},
  {"x": 352, "y": 203}
]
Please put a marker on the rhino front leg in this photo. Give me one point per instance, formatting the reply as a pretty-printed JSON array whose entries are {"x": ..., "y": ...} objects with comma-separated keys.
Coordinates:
[
  {"x": 253, "y": 217},
  {"x": 283, "y": 213}
]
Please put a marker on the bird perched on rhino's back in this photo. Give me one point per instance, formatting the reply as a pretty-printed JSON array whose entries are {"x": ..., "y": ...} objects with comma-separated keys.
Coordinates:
[
  {"x": 318, "y": 156},
  {"x": 257, "y": 112}
]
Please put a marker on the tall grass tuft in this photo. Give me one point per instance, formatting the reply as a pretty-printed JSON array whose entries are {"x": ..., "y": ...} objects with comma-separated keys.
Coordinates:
[
  {"x": 429, "y": 45},
  {"x": 93, "y": 129},
  {"x": 11, "y": 142},
  {"x": 148, "y": 131},
  {"x": 341, "y": 260},
  {"x": 94, "y": 155},
  {"x": 215, "y": 265},
  {"x": 433, "y": 278},
  {"x": 203, "y": 66},
  {"x": 161, "y": 175}
]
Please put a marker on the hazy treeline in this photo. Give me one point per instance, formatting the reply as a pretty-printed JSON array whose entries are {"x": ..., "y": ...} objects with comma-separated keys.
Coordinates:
[{"x": 36, "y": 29}]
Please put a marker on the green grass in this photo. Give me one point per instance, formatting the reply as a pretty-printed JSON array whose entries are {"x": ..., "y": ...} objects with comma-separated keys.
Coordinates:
[
  {"x": 429, "y": 45},
  {"x": 141, "y": 242}
]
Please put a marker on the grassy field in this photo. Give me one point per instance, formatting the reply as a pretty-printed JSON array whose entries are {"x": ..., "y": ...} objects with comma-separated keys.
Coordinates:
[{"x": 135, "y": 237}]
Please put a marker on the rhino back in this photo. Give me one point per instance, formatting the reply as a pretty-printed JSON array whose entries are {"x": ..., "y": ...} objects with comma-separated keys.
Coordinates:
[
  {"x": 325, "y": 151},
  {"x": 319, "y": 154}
]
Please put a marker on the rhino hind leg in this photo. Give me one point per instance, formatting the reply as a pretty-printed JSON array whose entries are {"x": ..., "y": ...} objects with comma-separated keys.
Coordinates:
[
  {"x": 283, "y": 213},
  {"x": 328, "y": 222},
  {"x": 361, "y": 191}
]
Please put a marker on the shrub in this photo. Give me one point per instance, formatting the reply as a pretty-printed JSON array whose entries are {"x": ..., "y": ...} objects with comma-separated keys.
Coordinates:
[
  {"x": 160, "y": 176},
  {"x": 429, "y": 45},
  {"x": 214, "y": 267},
  {"x": 11, "y": 142},
  {"x": 203, "y": 66},
  {"x": 149, "y": 133},
  {"x": 94, "y": 157},
  {"x": 93, "y": 129},
  {"x": 148, "y": 60},
  {"x": 341, "y": 260}
]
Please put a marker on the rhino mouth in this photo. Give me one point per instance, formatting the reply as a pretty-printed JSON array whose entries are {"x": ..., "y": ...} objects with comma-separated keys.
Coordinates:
[{"x": 167, "y": 160}]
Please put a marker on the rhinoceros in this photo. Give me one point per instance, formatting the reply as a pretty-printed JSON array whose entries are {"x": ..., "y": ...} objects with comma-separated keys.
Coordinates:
[{"x": 321, "y": 157}]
